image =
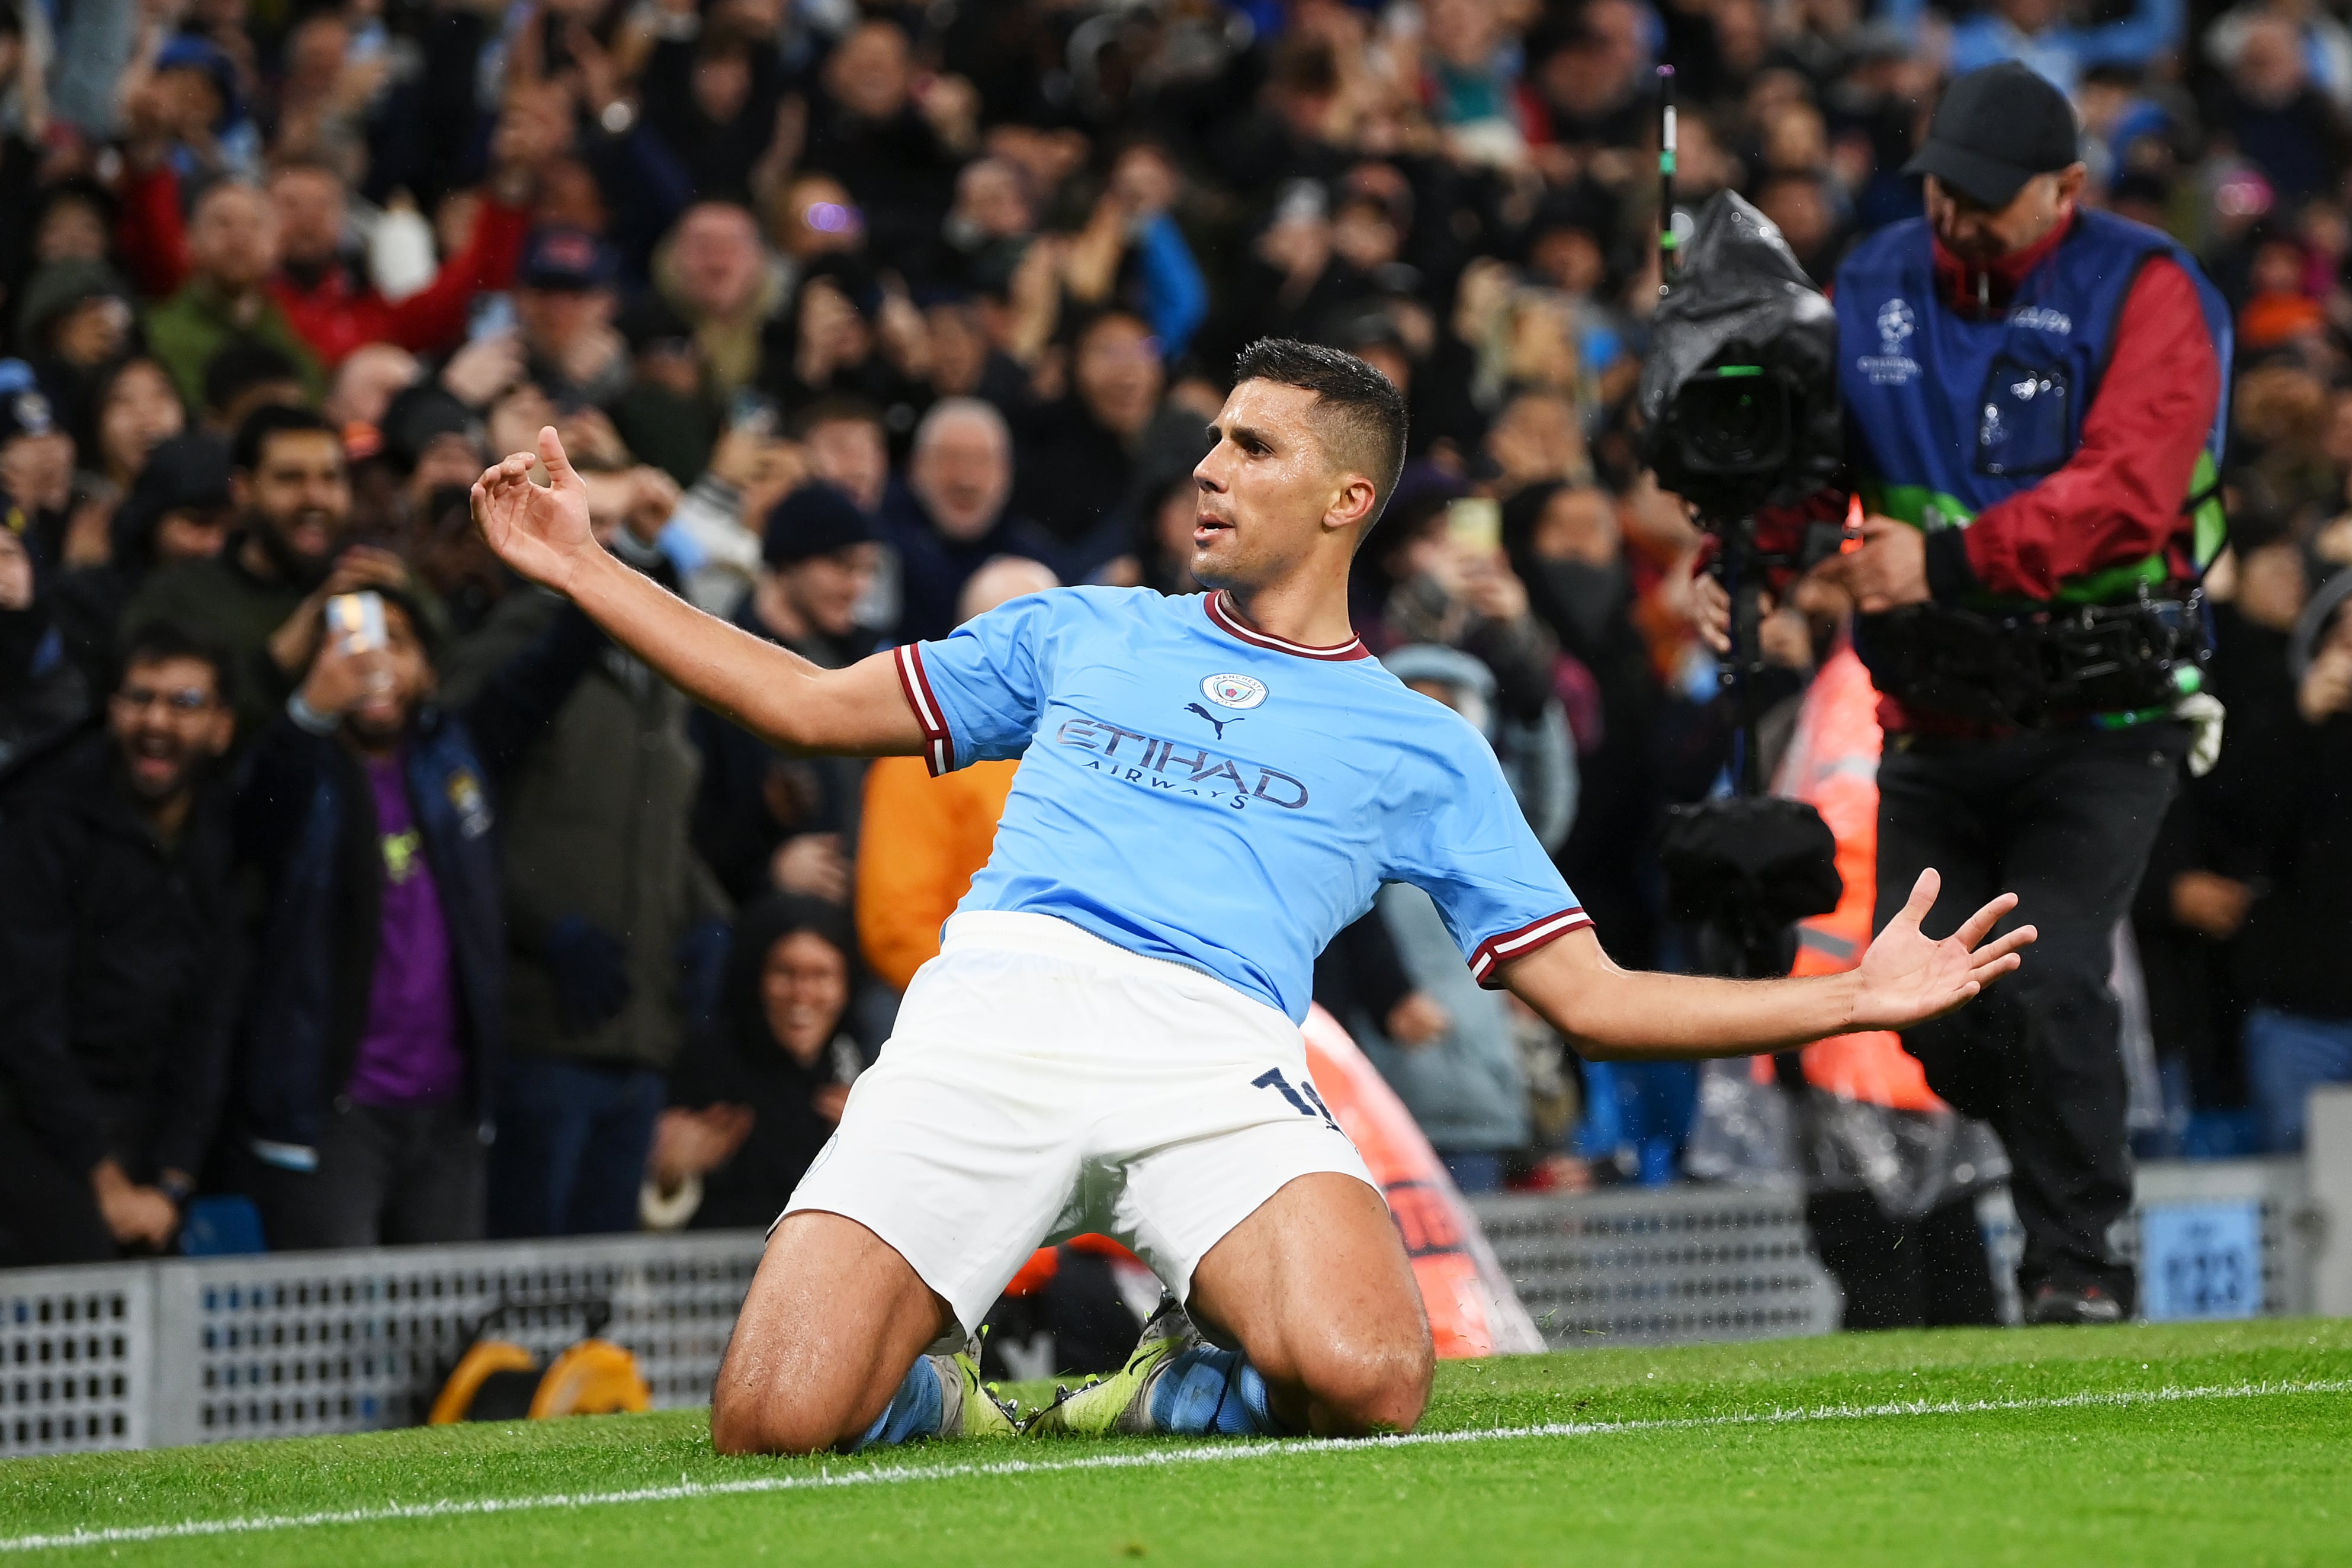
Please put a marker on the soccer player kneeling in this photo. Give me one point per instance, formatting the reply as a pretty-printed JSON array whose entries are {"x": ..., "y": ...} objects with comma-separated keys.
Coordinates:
[{"x": 1210, "y": 787}]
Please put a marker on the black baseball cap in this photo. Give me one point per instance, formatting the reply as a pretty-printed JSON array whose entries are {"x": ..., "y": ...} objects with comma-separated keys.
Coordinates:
[{"x": 1997, "y": 127}]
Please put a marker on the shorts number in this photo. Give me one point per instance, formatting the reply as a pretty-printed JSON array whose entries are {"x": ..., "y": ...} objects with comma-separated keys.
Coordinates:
[{"x": 1311, "y": 1105}]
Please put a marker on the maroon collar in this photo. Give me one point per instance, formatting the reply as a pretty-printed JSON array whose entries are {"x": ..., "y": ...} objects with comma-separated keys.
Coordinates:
[{"x": 1230, "y": 620}]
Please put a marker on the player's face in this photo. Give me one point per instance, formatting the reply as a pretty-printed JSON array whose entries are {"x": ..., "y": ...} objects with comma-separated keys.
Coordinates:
[{"x": 1265, "y": 487}]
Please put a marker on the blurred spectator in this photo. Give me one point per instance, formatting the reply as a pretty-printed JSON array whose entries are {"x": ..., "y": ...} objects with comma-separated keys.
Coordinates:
[
  {"x": 219, "y": 294},
  {"x": 365, "y": 383},
  {"x": 763, "y": 819},
  {"x": 178, "y": 510},
  {"x": 371, "y": 1038},
  {"x": 1455, "y": 588},
  {"x": 563, "y": 299},
  {"x": 924, "y": 839},
  {"x": 892, "y": 140},
  {"x": 2273, "y": 114},
  {"x": 2038, "y": 33},
  {"x": 951, "y": 517},
  {"x": 1078, "y": 456},
  {"x": 261, "y": 597},
  {"x": 247, "y": 374},
  {"x": 1456, "y": 1065},
  {"x": 606, "y": 907},
  {"x": 847, "y": 449},
  {"x": 74, "y": 320},
  {"x": 36, "y": 466},
  {"x": 135, "y": 407},
  {"x": 120, "y": 956},
  {"x": 2297, "y": 810},
  {"x": 714, "y": 272},
  {"x": 755, "y": 1097},
  {"x": 44, "y": 694}
]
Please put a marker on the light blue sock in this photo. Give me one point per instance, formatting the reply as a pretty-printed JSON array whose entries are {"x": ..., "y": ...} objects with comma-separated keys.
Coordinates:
[
  {"x": 1208, "y": 1391},
  {"x": 914, "y": 1411}
]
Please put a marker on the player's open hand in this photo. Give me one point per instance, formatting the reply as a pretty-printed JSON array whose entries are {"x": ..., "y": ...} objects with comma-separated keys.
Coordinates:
[
  {"x": 1906, "y": 979},
  {"x": 542, "y": 531}
]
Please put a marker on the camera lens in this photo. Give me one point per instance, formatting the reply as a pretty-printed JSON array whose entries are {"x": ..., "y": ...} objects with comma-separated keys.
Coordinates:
[{"x": 1733, "y": 424}]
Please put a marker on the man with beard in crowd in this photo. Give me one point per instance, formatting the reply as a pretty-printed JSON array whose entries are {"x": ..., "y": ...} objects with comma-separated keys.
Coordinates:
[
  {"x": 261, "y": 598},
  {"x": 119, "y": 956}
]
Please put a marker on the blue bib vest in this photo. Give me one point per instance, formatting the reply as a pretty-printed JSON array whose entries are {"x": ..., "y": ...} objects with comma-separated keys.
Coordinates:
[{"x": 1946, "y": 415}]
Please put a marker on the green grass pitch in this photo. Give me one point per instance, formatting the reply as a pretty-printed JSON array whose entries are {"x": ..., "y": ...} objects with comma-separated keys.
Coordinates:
[{"x": 2208, "y": 1444}]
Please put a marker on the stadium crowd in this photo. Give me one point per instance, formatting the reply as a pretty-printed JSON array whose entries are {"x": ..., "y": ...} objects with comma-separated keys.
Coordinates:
[{"x": 860, "y": 319}]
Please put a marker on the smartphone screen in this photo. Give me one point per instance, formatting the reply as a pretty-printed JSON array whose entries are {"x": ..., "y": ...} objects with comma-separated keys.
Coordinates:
[
  {"x": 490, "y": 316},
  {"x": 1475, "y": 524},
  {"x": 753, "y": 411},
  {"x": 355, "y": 620}
]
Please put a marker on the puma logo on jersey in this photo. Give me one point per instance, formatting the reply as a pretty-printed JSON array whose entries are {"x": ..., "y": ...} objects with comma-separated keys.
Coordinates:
[{"x": 1212, "y": 718}]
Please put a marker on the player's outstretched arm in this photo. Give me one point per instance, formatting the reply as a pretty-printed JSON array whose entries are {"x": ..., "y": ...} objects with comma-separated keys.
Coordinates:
[
  {"x": 543, "y": 532},
  {"x": 1902, "y": 979}
]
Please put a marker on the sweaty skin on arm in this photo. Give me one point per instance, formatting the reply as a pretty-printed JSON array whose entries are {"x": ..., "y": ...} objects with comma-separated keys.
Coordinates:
[
  {"x": 543, "y": 532},
  {"x": 1903, "y": 978}
]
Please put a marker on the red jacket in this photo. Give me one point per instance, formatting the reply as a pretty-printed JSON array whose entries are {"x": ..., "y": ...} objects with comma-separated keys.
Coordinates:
[
  {"x": 337, "y": 313},
  {"x": 2118, "y": 499}
]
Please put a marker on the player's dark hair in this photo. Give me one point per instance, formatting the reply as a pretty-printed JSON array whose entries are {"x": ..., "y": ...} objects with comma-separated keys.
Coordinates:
[
  {"x": 273, "y": 419},
  {"x": 1363, "y": 417}
]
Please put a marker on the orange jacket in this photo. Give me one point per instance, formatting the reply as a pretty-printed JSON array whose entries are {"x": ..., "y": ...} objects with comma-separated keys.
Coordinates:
[
  {"x": 919, "y": 843},
  {"x": 1833, "y": 762}
]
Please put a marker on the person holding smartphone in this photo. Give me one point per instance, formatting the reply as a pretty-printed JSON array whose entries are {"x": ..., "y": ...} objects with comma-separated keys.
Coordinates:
[{"x": 375, "y": 1018}]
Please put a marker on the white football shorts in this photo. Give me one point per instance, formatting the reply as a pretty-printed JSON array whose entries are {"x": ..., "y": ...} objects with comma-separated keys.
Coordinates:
[{"x": 1042, "y": 1083}]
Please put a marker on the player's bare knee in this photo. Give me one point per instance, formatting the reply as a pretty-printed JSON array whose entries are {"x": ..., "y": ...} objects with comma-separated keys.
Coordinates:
[
  {"x": 754, "y": 1421},
  {"x": 1371, "y": 1387}
]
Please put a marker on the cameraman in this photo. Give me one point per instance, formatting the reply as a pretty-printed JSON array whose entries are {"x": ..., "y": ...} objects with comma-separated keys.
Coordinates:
[{"x": 2033, "y": 395}]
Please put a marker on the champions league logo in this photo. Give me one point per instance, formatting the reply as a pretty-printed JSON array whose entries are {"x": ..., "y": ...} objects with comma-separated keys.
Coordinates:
[
  {"x": 1892, "y": 365},
  {"x": 1896, "y": 325},
  {"x": 1233, "y": 691}
]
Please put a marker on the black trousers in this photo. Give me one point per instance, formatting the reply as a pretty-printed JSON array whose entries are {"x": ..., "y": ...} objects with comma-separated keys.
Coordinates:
[
  {"x": 1930, "y": 1273},
  {"x": 386, "y": 1178},
  {"x": 49, "y": 1212},
  {"x": 2064, "y": 819}
]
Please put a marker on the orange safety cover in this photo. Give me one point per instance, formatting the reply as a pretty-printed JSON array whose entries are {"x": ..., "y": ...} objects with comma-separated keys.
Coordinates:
[
  {"x": 1833, "y": 763},
  {"x": 1472, "y": 1308}
]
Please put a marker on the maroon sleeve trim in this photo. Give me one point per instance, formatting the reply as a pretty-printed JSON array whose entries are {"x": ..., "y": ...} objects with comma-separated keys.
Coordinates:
[
  {"x": 939, "y": 746},
  {"x": 1507, "y": 946}
]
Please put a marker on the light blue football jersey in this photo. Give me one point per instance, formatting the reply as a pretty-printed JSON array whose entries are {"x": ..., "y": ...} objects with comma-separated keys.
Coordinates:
[{"x": 1194, "y": 790}]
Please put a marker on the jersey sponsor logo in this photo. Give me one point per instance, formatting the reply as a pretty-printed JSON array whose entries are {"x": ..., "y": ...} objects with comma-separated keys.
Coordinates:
[
  {"x": 1233, "y": 691},
  {"x": 1150, "y": 762},
  {"x": 2041, "y": 319},
  {"x": 1892, "y": 365}
]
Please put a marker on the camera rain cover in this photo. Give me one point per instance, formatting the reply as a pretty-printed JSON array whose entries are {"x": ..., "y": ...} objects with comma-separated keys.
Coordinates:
[{"x": 1741, "y": 300}]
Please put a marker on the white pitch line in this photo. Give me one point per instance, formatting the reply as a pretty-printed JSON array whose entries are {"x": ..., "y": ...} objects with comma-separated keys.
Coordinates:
[{"x": 1235, "y": 1452}]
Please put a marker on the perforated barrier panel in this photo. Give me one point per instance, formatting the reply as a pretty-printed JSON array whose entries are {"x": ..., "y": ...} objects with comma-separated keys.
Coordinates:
[
  {"x": 346, "y": 1342},
  {"x": 200, "y": 1349},
  {"x": 1661, "y": 1265},
  {"x": 76, "y": 1349}
]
